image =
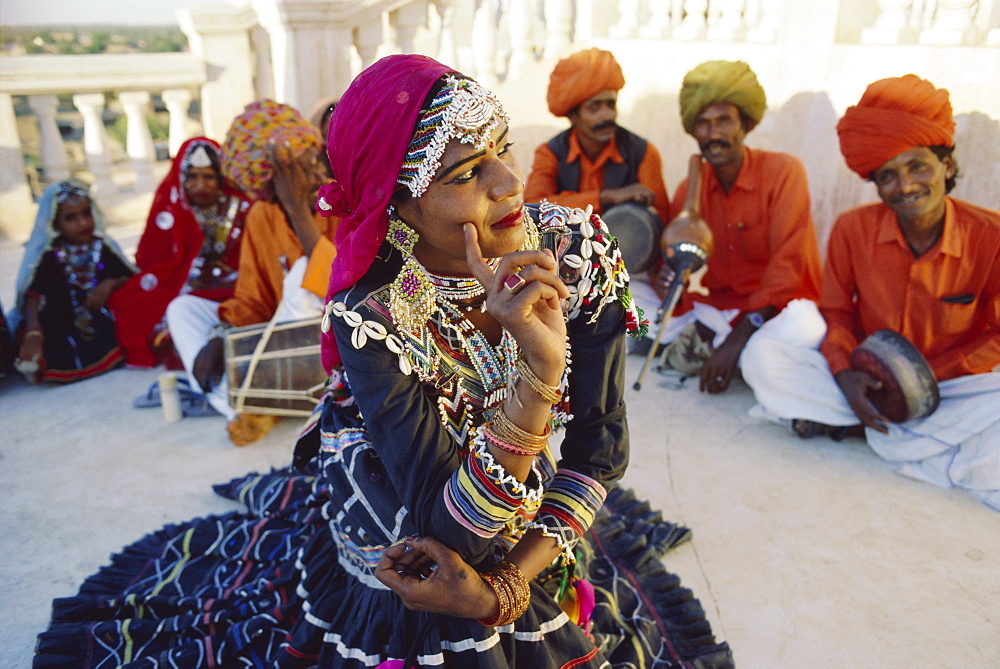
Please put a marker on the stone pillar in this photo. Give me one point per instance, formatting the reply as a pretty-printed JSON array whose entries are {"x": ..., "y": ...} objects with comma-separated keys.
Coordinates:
[
  {"x": 263, "y": 79},
  {"x": 954, "y": 23},
  {"x": 310, "y": 48},
  {"x": 220, "y": 36},
  {"x": 521, "y": 26},
  {"x": 693, "y": 25},
  {"x": 95, "y": 142},
  {"x": 406, "y": 21},
  {"x": 17, "y": 211},
  {"x": 139, "y": 143},
  {"x": 178, "y": 101},
  {"x": 558, "y": 26},
  {"x": 892, "y": 25},
  {"x": 628, "y": 20},
  {"x": 447, "y": 50},
  {"x": 54, "y": 159},
  {"x": 658, "y": 26},
  {"x": 726, "y": 20},
  {"x": 484, "y": 43},
  {"x": 763, "y": 24},
  {"x": 367, "y": 39}
]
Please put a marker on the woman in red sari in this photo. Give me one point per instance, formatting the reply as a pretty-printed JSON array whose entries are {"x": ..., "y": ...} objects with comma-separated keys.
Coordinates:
[{"x": 191, "y": 245}]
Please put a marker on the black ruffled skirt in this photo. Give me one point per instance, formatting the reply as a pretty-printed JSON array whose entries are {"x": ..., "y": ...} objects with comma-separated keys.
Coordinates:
[{"x": 264, "y": 588}]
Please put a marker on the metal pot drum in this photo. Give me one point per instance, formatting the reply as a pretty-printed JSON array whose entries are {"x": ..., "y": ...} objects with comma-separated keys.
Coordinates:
[
  {"x": 637, "y": 229},
  {"x": 909, "y": 389}
]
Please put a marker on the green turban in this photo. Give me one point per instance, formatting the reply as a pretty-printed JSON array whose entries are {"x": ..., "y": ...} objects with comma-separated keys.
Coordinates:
[{"x": 732, "y": 82}]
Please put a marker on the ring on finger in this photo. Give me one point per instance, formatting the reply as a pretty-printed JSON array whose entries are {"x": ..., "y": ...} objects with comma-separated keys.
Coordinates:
[{"x": 514, "y": 283}]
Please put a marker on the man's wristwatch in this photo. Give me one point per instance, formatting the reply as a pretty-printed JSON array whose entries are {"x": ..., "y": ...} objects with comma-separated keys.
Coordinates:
[{"x": 756, "y": 320}]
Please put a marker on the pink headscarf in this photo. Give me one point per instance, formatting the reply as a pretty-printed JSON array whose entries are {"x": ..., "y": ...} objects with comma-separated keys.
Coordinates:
[{"x": 367, "y": 142}]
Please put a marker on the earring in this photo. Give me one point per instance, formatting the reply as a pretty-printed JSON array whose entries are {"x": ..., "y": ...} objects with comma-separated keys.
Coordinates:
[
  {"x": 411, "y": 294},
  {"x": 400, "y": 235}
]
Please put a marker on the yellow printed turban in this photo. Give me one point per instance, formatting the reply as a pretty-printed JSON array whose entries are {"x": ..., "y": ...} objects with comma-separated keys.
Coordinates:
[
  {"x": 581, "y": 76},
  {"x": 246, "y": 157},
  {"x": 893, "y": 116},
  {"x": 731, "y": 82}
]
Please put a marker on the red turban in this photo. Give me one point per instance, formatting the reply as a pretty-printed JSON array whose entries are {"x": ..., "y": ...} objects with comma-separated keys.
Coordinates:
[
  {"x": 581, "y": 76},
  {"x": 893, "y": 116}
]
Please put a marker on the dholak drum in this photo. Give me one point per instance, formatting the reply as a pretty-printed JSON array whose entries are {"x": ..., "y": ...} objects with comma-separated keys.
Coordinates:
[
  {"x": 637, "y": 229},
  {"x": 909, "y": 389},
  {"x": 275, "y": 368}
]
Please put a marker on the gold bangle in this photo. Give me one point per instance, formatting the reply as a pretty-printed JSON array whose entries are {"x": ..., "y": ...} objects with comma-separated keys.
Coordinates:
[
  {"x": 505, "y": 429},
  {"x": 512, "y": 591},
  {"x": 550, "y": 394}
]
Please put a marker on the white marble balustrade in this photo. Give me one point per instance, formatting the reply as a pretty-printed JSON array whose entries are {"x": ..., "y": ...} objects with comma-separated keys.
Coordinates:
[
  {"x": 89, "y": 78},
  {"x": 299, "y": 51}
]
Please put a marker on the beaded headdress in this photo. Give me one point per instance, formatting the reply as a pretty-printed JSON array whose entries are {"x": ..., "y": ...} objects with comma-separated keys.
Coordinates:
[
  {"x": 461, "y": 110},
  {"x": 198, "y": 157},
  {"x": 67, "y": 190}
]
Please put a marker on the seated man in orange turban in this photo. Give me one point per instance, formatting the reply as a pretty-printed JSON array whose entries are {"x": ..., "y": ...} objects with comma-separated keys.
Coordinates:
[
  {"x": 595, "y": 162},
  {"x": 920, "y": 263},
  {"x": 756, "y": 204}
]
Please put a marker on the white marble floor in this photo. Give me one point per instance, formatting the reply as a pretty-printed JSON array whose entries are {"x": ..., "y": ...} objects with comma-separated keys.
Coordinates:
[{"x": 804, "y": 553}]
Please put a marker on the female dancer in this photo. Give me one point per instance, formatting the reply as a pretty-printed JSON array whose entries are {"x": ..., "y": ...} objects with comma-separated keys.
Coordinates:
[{"x": 428, "y": 521}]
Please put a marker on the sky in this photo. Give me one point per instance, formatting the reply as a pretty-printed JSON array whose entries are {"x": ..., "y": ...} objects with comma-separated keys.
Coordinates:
[{"x": 79, "y": 12}]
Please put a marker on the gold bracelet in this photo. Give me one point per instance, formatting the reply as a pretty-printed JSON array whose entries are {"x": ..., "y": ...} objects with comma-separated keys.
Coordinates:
[
  {"x": 550, "y": 394},
  {"x": 505, "y": 429},
  {"x": 512, "y": 591}
]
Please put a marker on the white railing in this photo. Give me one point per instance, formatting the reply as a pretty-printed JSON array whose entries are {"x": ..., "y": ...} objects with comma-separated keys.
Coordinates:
[
  {"x": 299, "y": 51},
  {"x": 130, "y": 80}
]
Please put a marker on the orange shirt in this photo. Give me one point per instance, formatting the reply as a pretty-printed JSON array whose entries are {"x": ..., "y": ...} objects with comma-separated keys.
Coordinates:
[
  {"x": 542, "y": 183},
  {"x": 270, "y": 248},
  {"x": 765, "y": 243},
  {"x": 946, "y": 302}
]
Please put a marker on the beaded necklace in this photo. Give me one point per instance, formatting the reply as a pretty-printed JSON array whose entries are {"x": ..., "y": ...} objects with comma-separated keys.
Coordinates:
[
  {"x": 80, "y": 264},
  {"x": 456, "y": 289}
]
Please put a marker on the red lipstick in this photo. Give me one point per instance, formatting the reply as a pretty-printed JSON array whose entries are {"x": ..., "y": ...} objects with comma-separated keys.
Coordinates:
[{"x": 510, "y": 220}]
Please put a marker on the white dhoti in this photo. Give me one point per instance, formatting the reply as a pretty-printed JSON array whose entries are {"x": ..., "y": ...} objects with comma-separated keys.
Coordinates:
[
  {"x": 191, "y": 319},
  {"x": 956, "y": 446}
]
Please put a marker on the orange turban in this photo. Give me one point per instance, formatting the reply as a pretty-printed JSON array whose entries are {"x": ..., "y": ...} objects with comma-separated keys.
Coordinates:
[
  {"x": 893, "y": 116},
  {"x": 581, "y": 76}
]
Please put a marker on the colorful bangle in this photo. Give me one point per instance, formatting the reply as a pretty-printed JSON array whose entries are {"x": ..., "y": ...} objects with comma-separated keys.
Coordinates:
[
  {"x": 504, "y": 428},
  {"x": 492, "y": 438},
  {"x": 512, "y": 591},
  {"x": 550, "y": 394}
]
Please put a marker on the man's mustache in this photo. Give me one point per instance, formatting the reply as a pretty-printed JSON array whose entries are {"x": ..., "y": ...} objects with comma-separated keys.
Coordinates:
[
  {"x": 604, "y": 125},
  {"x": 721, "y": 143}
]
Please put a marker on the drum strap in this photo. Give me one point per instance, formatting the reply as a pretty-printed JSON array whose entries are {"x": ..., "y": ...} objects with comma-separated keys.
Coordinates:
[
  {"x": 254, "y": 359},
  {"x": 631, "y": 147}
]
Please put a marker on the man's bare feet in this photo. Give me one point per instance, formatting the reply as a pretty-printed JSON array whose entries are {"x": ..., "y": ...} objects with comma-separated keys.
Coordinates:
[
  {"x": 807, "y": 429},
  {"x": 247, "y": 428}
]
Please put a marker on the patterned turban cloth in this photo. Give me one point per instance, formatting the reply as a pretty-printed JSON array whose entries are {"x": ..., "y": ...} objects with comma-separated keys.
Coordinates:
[
  {"x": 893, "y": 116},
  {"x": 246, "y": 158},
  {"x": 581, "y": 76},
  {"x": 730, "y": 82}
]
